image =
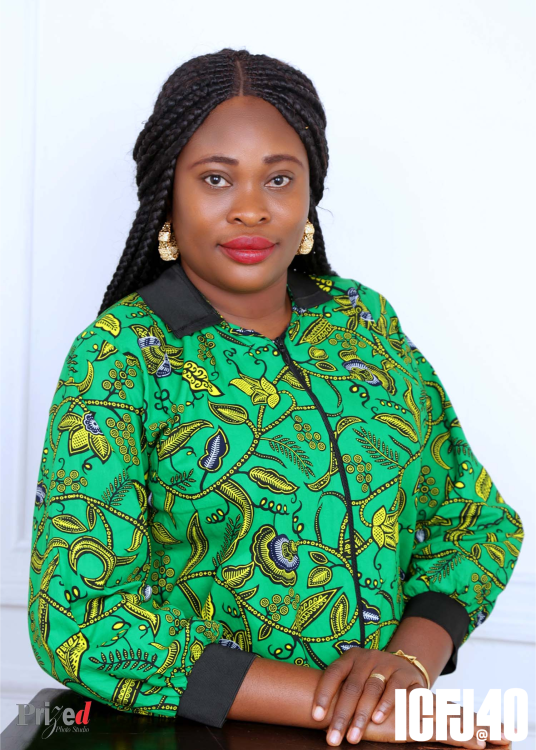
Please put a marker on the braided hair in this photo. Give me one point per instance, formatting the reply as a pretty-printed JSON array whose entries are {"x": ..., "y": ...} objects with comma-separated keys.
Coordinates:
[{"x": 186, "y": 99}]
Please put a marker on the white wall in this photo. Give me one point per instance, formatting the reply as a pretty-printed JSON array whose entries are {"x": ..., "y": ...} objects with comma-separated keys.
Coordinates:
[{"x": 429, "y": 200}]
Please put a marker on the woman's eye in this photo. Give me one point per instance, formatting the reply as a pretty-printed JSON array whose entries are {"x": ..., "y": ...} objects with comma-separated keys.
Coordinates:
[
  {"x": 214, "y": 177},
  {"x": 281, "y": 177}
]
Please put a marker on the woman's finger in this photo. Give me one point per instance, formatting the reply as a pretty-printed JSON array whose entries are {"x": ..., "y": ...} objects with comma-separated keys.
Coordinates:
[
  {"x": 367, "y": 702},
  {"x": 372, "y": 700},
  {"x": 328, "y": 684},
  {"x": 344, "y": 709},
  {"x": 386, "y": 705}
]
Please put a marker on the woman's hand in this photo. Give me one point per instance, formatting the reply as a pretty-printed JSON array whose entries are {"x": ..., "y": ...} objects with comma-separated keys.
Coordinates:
[
  {"x": 385, "y": 732},
  {"x": 360, "y": 692}
]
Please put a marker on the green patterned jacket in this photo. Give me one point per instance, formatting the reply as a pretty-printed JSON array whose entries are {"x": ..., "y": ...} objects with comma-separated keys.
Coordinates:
[{"x": 208, "y": 495}]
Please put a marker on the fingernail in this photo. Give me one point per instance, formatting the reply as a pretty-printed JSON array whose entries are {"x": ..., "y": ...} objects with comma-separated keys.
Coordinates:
[
  {"x": 335, "y": 736},
  {"x": 354, "y": 734},
  {"x": 503, "y": 736},
  {"x": 481, "y": 743},
  {"x": 378, "y": 716},
  {"x": 318, "y": 713}
]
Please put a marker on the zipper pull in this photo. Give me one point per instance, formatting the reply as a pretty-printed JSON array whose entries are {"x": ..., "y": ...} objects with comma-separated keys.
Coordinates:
[{"x": 282, "y": 348}]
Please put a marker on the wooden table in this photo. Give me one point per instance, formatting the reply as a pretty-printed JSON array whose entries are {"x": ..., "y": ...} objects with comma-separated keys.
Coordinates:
[{"x": 109, "y": 729}]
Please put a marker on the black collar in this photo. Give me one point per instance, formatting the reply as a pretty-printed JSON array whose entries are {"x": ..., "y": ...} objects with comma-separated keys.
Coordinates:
[{"x": 181, "y": 305}]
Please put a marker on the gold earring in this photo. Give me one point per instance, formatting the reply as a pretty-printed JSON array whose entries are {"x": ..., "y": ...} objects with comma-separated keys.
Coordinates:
[
  {"x": 167, "y": 244},
  {"x": 306, "y": 245}
]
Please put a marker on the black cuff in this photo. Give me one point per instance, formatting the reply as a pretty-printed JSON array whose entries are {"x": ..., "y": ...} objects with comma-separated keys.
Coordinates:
[
  {"x": 445, "y": 611},
  {"x": 213, "y": 684}
]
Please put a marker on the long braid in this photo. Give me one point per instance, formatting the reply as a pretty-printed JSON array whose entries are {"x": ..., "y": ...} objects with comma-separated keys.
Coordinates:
[{"x": 188, "y": 96}]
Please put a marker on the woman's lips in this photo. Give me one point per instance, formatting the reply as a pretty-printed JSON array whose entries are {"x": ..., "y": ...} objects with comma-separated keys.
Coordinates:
[
  {"x": 249, "y": 242},
  {"x": 247, "y": 255}
]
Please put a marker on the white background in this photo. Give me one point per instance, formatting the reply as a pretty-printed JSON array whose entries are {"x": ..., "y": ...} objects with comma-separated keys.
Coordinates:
[{"x": 429, "y": 200}]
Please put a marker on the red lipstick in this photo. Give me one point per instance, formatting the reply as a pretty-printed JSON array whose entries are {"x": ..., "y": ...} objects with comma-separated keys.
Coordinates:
[{"x": 248, "y": 249}]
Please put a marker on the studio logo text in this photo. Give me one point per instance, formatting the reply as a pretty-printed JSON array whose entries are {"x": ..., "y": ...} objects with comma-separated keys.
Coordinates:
[{"x": 73, "y": 721}]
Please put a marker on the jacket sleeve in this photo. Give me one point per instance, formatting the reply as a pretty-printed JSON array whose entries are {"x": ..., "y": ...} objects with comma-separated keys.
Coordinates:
[
  {"x": 467, "y": 538},
  {"x": 93, "y": 622}
]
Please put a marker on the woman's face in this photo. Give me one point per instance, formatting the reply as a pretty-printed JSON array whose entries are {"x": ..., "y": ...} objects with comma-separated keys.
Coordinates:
[{"x": 240, "y": 193}]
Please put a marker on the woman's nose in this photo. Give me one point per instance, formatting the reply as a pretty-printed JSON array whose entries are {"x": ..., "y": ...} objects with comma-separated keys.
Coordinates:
[{"x": 249, "y": 207}]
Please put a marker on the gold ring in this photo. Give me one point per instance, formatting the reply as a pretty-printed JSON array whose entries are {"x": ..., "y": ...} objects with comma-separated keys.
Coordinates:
[{"x": 378, "y": 676}]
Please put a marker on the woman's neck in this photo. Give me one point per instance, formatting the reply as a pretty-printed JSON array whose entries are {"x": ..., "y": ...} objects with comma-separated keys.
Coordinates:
[{"x": 267, "y": 311}]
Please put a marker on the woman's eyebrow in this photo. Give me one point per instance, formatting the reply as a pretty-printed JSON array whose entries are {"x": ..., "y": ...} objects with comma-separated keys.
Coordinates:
[{"x": 270, "y": 159}]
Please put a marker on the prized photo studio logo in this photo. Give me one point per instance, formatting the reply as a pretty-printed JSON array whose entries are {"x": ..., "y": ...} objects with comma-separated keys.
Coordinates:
[{"x": 73, "y": 721}]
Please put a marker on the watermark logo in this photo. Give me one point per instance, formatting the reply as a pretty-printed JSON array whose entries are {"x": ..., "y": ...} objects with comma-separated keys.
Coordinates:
[
  {"x": 421, "y": 712},
  {"x": 72, "y": 721}
]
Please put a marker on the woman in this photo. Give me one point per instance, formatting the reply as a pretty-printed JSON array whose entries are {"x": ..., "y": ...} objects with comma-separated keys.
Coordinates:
[{"x": 246, "y": 456}]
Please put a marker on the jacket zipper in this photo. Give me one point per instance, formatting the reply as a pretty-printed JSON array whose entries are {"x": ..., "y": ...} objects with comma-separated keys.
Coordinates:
[{"x": 279, "y": 342}]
